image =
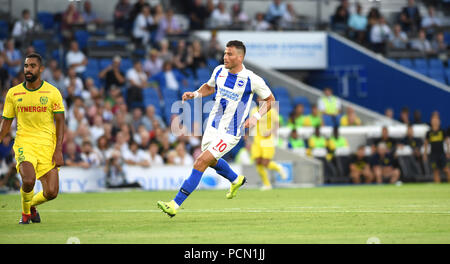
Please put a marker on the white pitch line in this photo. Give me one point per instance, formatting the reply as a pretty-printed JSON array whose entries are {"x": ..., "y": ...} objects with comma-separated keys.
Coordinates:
[{"x": 236, "y": 210}]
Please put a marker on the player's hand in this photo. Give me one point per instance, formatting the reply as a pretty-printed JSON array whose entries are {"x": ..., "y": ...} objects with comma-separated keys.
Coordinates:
[
  {"x": 57, "y": 158},
  {"x": 187, "y": 96},
  {"x": 250, "y": 122}
]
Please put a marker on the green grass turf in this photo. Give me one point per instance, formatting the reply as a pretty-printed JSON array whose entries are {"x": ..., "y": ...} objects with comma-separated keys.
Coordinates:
[{"x": 418, "y": 213}]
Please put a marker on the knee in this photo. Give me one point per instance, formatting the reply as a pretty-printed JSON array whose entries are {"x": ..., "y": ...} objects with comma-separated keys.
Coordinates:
[
  {"x": 201, "y": 163},
  {"x": 51, "y": 194},
  {"x": 28, "y": 182}
]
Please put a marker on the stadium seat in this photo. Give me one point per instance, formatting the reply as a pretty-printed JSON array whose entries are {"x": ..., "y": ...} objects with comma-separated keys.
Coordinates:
[
  {"x": 406, "y": 63},
  {"x": 280, "y": 92},
  {"x": 301, "y": 100},
  {"x": 203, "y": 74},
  {"x": 212, "y": 63},
  {"x": 40, "y": 46},
  {"x": 82, "y": 37},
  {"x": 103, "y": 63},
  {"x": 423, "y": 71},
  {"x": 92, "y": 64},
  {"x": 436, "y": 73},
  {"x": 436, "y": 64},
  {"x": 46, "y": 20},
  {"x": 4, "y": 29},
  {"x": 126, "y": 64},
  {"x": 419, "y": 62}
]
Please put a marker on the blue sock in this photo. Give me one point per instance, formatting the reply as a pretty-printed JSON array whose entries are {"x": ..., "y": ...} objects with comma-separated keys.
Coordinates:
[
  {"x": 223, "y": 169},
  {"x": 188, "y": 186}
]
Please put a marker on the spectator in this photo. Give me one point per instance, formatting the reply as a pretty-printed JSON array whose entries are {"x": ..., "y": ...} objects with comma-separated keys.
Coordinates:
[
  {"x": 169, "y": 78},
  {"x": 168, "y": 26},
  {"x": 197, "y": 15},
  {"x": 317, "y": 141},
  {"x": 259, "y": 24},
  {"x": 143, "y": 26},
  {"x": 180, "y": 60},
  {"x": 276, "y": 11},
  {"x": 336, "y": 141},
  {"x": 158, "y": 14},
  {"x": 399, "y": 39},
  {"x": 97, "y": 129},
  {"x": 153, "y": 64},
  {"x": 384, "y": 166},
  {"x": 114, "y": 172},
  {"x": 136, "y": 119},
  {"x": 182, "y": 158},
  {"x": 360, "y": 166},
  {"x": 155, "y": 158},
  {"x": 339, "y": 21},
  {"x": 137, "y": 9},
  {"x": 295, "y": 141},
  {"x": 422, "y": 44},
  {"x": 329, "y": 104},
  {"x": 4, "y": 76},
  {"x": 389, "y": 142},
  {"x": 73, "y": 83},
  {"x": 72, "y": 157},
  {"x": 410, "y": 19},
  {"x": 136, "y": 156},
  {"x": 214, "y": 49},
  {"x": 70, "y": 18},
  {"x": 297, "y": 117},
  {"x": 122, "y": 11},
  {"x": 165, "y": 54},
  {"x": 290, "y": 19},
  {"x": 51, "y": 66},
  {"x": 13, "y": 58},
  {"x": 88, "y": 155},
  {"x": 404, "y": 116},
  {"x": 150, "y": 117},
  {"x": 417, "y": 117},
  {"x": 8, "y": 178},
  {"x": 389, "y": 113},
  {"x": 357, "y": 24},
  {"x": 76, "y": 58},
  {"x": 414, "y": 143},
  {"x": 137, "y": 81},
  {"x": 435, "y": 139},
  {"x": 23, "y": 27},
  {"x": 102, "y": 149},
  {"x": 431, "y": 23},
  {"x": 380, "y": 34},
  {"x": 314, "y": 119},
  {"x": 238, "y": 17},
  {"x": 220, "y": 18},
  {"x": 112, "y": 75},
  {"x": 350, "y": 118},
  {"x": 440, "y": 48},
  {"x": 197, "y": 58},
  {"x": 89, "y": 16}
]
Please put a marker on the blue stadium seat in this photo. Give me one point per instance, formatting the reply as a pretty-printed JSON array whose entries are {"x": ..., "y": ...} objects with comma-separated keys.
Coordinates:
[
  {"x": 93, "y": 65},
  {"x": 4, "y": 29},
  {"x": 447, "y": 37},
  {"x": 212, "y": 63},
  {"x": 406, "y": 63},
  {"x": 203, "y": 74},
  {"x": 126, "y": 64},
  {"x": 422, "y": 63},
  {"x": 82, "y": 36},
  {"x": 40, "y": 46},
  {"x": 103, "y": 63},
  {"x": 423, "y": 71},
  {"x": 436, "y": 64},
  {"x": 46, "y": 19},
  {"x": 301, "y": 100},
  {"x": 280, "y": 92},
  {"x": 436, "y": 72}
]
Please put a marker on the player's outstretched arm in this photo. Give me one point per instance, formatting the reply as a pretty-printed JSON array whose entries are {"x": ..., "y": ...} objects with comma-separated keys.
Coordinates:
[
  {"x": 5, "y": 126},
  {"x": 57, "y": 155},
  {"x": 203, "y": 91},
  {"x": 263, "y": 109}
]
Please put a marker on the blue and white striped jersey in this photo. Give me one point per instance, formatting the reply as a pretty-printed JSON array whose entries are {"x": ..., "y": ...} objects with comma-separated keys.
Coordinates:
[{"x": 234, "y": 93}]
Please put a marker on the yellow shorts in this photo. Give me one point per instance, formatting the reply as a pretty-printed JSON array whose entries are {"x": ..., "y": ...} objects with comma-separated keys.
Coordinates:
[
  {"x": 258, "y": 151},
  {"x": 38, "y": 155}
]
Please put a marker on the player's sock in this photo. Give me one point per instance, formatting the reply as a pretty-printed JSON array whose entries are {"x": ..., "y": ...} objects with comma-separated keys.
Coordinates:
[
  {"x": 264, "y": 175},
  {"x": 26, "y": 198},
  {"x": 38, "y": 199},
  {"x": 223, "y": 168},
  {"x": 188, "y": 186}
]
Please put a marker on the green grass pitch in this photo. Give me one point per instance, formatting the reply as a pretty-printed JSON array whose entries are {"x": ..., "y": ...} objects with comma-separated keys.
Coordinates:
[{"x": 411, "y": 213}]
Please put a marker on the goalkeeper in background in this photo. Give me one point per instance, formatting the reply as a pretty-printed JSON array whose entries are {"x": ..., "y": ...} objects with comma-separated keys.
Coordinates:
[{"x": 263, "y": 147}]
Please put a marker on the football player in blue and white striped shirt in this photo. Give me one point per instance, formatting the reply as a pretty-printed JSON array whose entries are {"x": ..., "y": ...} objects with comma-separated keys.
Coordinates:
[{"x": 235, "y": 86}]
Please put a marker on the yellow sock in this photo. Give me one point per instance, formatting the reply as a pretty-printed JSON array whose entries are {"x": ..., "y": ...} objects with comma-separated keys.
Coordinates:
[
  {"x": 38, "y": 199},
  {"x": 274, "y": 166},
  {"x": 26, "y": 201},
  {"x": 263, "y": 174}
]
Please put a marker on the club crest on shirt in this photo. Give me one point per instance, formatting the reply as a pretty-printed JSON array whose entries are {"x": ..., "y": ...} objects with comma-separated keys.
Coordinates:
[
  {"x": 43, "y": 100},
  {"x": 240, "y": 83}
]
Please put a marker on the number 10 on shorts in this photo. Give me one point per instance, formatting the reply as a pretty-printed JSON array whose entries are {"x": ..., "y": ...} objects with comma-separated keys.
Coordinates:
[{"x": 221, "y": 146}]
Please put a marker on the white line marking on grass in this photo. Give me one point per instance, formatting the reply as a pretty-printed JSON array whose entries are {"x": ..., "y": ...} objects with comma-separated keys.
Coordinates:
[{"x": 244, "y": 210}]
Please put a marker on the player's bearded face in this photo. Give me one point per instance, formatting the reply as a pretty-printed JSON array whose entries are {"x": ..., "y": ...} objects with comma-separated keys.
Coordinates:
[
  {"x": 31, "y": 70},
  {"x": 232, "y": 57}
]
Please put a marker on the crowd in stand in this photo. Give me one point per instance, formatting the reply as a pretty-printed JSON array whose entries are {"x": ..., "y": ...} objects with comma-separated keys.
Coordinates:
[{"x": 103, "y": 127}]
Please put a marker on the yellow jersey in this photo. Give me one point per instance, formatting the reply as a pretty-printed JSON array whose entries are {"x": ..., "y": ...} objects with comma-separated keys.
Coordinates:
[
  {"x": 34, "y": 110},
  {"x": 265, "y": 125}
]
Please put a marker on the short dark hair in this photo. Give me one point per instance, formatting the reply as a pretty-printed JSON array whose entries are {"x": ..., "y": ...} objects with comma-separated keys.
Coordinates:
[
  {"x": 36, "y": 56},
  {"x": 237, "y": 44}
]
